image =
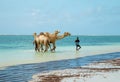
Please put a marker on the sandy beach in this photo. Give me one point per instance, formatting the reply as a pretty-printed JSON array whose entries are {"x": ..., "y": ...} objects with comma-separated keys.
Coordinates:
[{"x": 103, "y": 71}]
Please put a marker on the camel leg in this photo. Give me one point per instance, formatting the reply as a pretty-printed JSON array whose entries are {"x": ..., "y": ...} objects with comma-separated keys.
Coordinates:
[
  {"x": 49, "y": 46},
  {"x": 46, "y": 47},
  {"x": 54, "y": 47},
  {"x": 38, "y": 47},
  {"x": 41, "y": 46}
]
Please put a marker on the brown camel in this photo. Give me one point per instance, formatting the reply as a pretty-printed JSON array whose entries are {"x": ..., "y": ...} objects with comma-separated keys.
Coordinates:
[
  {"x": 40, "y": 40},
  {"x": 53, "y": 38}
]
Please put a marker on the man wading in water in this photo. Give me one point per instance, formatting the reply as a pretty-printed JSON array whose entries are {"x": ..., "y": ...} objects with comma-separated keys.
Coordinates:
[{"x": 77, "y": 44}]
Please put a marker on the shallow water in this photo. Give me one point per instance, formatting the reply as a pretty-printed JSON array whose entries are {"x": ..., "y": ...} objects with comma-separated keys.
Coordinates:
[
  {"x": 17, "y": 49},
  {"x": 18, "y": 53},
  {"x": 15, "y": 57},
  {"x": 23, "y": 73}
]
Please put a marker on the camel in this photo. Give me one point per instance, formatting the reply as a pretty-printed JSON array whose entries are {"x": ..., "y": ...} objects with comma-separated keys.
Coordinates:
[
  {"x": 40, "y": 40},
  {"x": 53, "y": 38},
  {"x": 50, "y": 38}
]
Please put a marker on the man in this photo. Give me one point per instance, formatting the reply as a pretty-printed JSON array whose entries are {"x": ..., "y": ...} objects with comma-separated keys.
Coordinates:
[{"x": 77, "y": 44}]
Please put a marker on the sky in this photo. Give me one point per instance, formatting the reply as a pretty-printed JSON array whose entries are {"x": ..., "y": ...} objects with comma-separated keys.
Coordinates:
[{"x": 79, "y": 17}]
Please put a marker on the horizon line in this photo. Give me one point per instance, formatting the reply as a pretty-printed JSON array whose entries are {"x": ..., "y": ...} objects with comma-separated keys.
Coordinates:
[{"x": 60, "y": 34}]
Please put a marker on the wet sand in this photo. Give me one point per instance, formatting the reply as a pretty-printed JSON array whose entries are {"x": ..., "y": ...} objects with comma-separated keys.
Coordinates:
[
  {"x": 102, "y": 71},
  {"x": 66, "y": 69}
]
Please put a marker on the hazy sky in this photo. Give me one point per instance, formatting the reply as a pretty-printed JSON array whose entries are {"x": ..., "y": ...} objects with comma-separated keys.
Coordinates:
[{"x": 79, "y": 17}]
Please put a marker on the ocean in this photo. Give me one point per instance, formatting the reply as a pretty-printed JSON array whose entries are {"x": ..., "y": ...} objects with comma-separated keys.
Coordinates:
[
  {"x": 19, "y": 61},
  {"x": 9, "y": 42}
]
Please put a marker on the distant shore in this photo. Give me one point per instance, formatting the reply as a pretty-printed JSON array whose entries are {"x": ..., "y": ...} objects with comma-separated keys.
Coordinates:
[{"x": 104, "y": 70}]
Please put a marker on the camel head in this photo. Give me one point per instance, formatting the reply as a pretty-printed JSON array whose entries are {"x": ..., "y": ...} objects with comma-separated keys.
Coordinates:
[
  {"x": 35, "y": 34},
  {"x": 67, "y": 34}
]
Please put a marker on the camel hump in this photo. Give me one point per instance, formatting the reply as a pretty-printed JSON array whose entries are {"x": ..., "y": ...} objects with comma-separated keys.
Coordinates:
[
  {"x": 41, "y": 33},
  {"x": 47, "y": 34}
]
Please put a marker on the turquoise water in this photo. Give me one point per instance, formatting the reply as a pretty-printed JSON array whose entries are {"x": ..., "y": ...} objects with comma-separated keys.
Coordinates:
[
  {"x": 19, "y": 48},
  {"x": 25, "y": 41}
]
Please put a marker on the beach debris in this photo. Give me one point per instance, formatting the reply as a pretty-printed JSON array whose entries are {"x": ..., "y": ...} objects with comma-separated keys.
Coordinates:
[{"x": 79, "y": 73}]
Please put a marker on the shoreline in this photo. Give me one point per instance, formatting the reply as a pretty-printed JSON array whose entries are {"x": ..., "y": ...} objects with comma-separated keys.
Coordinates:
[
  {"x": 89, "y": 73},
  {"x": 59, "y": 55},
  {"x": 61, "y": 63}
]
